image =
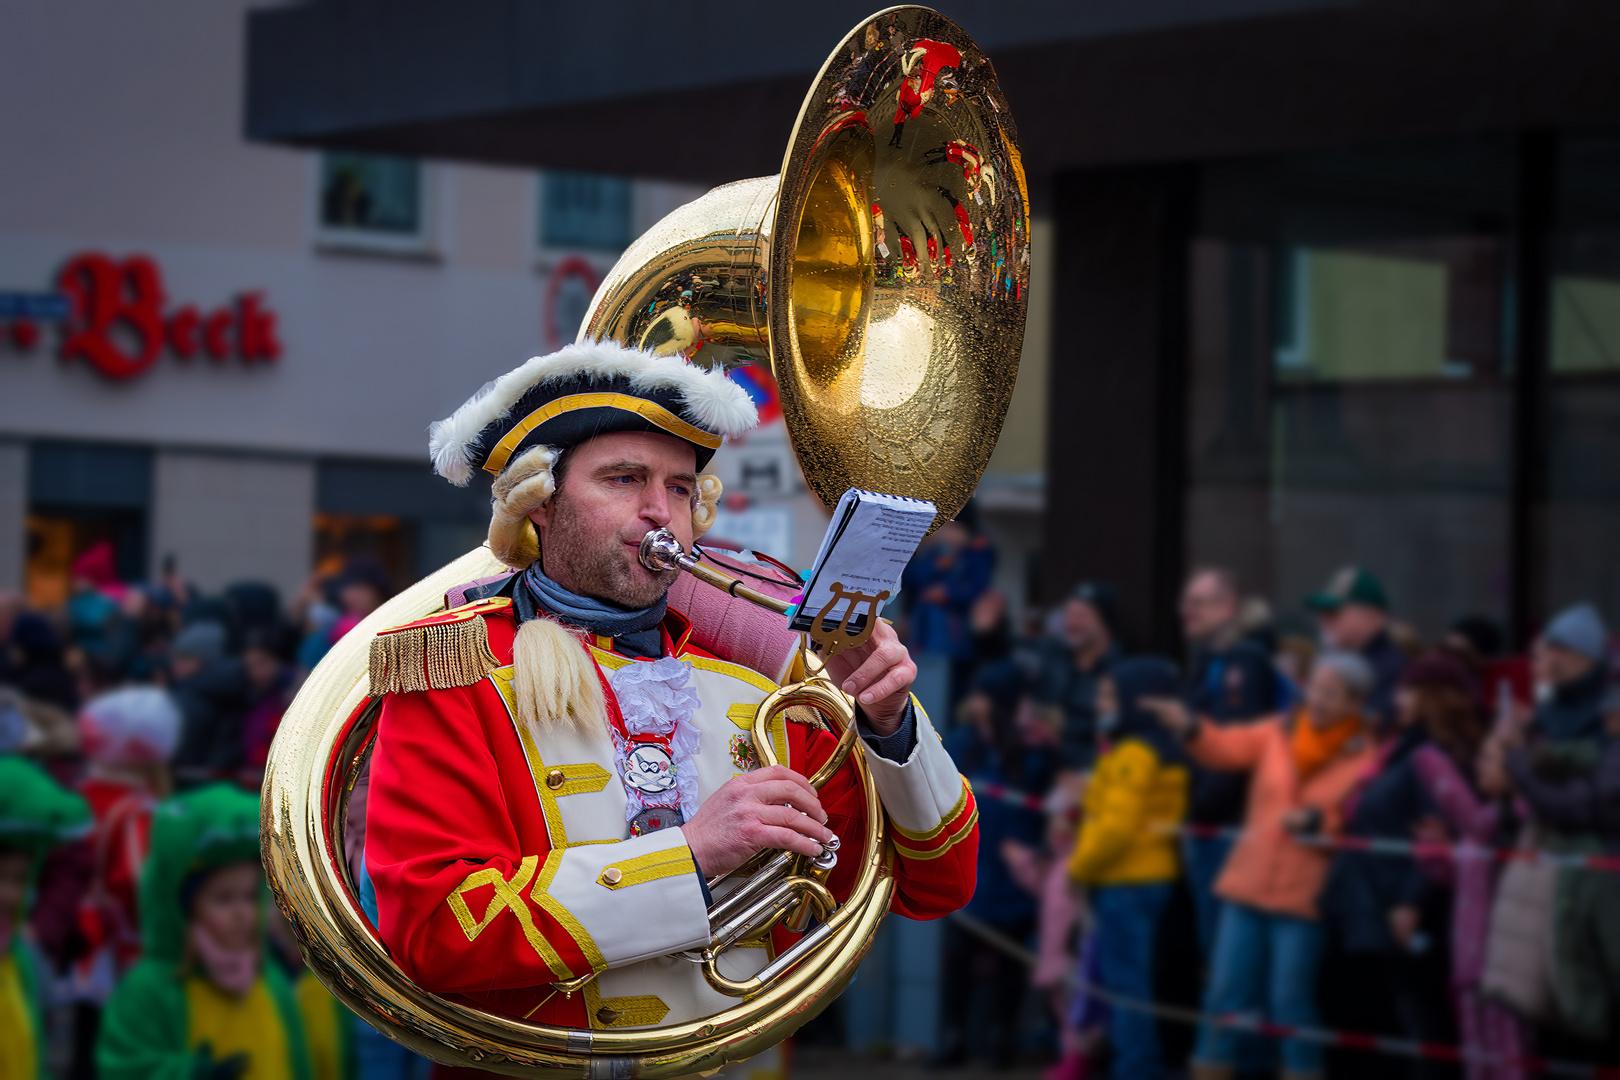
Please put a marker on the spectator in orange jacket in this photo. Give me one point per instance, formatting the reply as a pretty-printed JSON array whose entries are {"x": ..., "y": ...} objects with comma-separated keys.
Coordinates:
[{"x": 1269, "y": 940}]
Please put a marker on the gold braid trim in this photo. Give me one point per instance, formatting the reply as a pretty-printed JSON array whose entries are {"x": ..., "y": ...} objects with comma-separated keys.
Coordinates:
[{"x": 433, "y": 657}]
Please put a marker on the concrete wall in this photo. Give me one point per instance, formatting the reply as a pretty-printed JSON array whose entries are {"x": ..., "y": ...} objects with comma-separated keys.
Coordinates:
[
  {"x": 13, "y": 512},
  {"x": 230, "y": 518}
]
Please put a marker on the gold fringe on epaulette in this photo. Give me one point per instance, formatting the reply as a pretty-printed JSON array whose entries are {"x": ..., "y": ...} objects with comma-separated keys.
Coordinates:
[
  {"x": 433, "y": 657},
  {"x": 804, "y": 714}
]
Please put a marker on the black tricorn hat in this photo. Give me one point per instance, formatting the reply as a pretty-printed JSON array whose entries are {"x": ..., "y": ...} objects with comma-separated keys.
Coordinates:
[{"x": 582, "y": 391}]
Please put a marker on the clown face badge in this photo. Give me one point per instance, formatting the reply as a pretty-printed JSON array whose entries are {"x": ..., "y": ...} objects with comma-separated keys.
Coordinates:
[
  {"x": 650, "y": 772},
  {"x": 649, "y": 768}
]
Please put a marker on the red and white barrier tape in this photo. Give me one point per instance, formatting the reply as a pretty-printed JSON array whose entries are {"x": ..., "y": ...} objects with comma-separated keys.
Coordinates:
[
  {"x": 1350, "y": 1040},
  {"x": 1423, "y": 848},
  {"x": 1371, "y": 845}
]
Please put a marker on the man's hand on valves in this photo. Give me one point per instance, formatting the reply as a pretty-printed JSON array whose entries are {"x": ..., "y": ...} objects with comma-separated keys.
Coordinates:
[{"x": 768, "y": 808}]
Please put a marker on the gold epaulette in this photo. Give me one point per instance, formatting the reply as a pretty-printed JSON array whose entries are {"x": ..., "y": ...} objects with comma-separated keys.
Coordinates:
[
  {"x": 445, "y": 649},
  {"x": 804, "y": 714}
]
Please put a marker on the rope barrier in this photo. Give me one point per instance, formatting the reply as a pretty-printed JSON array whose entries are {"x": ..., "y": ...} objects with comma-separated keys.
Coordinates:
[
  {"x": 1369, "y": 844},
  {"x": 1350, "y": 1040}
]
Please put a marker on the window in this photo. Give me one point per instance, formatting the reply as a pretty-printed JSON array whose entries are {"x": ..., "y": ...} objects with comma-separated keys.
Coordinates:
[
  {"x": 1350, "y": 400},
  {"x": 374, "y": 202},
  {"x": 1422, "y": 309},
  {"x": 581, "y": 210}
]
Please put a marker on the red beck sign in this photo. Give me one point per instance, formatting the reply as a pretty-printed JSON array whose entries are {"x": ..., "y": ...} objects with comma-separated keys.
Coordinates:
[{"x": 128, "y": 297}]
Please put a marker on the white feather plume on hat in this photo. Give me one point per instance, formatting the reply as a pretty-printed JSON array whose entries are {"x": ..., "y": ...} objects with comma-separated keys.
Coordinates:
[{"x": 709, "y": 399}]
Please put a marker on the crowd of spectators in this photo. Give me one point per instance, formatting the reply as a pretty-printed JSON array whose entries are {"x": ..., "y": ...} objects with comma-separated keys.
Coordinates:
[
  {"x": 125, "y": 696},
  {"x": 1321, "y": 817},
  {"x": 1309, "y": 825}
]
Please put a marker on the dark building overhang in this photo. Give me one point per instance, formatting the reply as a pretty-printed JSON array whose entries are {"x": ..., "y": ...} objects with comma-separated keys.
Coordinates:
[{"x": 709, "y": 92}]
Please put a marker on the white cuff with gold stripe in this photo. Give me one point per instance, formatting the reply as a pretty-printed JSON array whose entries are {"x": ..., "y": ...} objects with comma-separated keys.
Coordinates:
[
  {"x": 635, "y": 899},
  {"x": 923, "y": 791}
]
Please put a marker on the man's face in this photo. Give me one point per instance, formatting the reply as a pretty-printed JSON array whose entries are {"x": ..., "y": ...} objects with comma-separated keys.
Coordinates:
[
  {"x": 1207, "y": 607},
  {"x": 1082, "y": 626},
  {"x": 615, "y": 489},
  {"x": 1351, "y": 626}
]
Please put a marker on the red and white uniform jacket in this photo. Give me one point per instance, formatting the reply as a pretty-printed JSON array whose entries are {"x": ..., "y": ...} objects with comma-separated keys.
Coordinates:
[{"x": 503, "y": 862}]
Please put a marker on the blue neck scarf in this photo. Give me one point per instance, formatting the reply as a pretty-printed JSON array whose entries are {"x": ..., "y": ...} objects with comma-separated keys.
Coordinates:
[{"x": 597, "y": 616}]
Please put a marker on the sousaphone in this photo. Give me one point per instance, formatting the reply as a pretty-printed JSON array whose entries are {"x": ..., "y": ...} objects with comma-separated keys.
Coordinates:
[{"x": 883, "y": 277}]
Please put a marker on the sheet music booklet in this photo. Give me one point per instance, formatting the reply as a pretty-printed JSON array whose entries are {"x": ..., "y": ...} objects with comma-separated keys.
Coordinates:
[{"x": 869, "y": 541}]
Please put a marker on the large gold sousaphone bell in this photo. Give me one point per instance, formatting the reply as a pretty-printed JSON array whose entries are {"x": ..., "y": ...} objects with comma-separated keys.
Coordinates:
[{"x": 883, "y": 276}]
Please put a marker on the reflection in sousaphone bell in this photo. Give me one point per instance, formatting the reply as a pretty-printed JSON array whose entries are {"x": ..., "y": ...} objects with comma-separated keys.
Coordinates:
[{"x": 883, "y": 277}]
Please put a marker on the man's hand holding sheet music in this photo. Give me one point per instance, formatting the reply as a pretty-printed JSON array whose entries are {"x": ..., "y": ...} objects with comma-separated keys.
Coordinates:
[
  {"x": 878, "y": 675},
  {"x": 869, "y": 541}
]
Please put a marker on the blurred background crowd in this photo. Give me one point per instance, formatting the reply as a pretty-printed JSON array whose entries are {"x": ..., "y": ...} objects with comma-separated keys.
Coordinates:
[{"x": 1311, "y": 818}]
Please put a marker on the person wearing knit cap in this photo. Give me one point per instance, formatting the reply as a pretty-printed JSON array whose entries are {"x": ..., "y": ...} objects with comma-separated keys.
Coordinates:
[
  {"x": 203, "y": 1003},
  {"x": 36, "y": 814},
  {"x": 1571, "y": 670},
  {"x": 564, "y": 757},
  {"x": 128, "y": 737}
]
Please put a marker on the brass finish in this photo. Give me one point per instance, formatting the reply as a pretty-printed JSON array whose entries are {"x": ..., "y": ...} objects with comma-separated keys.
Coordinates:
[
  {"x": 555, "y": 779},
  {"x": 896, "y": 365},
  {"x": 613, "y": 875}
]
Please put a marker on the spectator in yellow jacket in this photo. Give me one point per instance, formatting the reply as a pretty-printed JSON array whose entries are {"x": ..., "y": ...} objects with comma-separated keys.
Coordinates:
[{"x": 1126, "y": 851}]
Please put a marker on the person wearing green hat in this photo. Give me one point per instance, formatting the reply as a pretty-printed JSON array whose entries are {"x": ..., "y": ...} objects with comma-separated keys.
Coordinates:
[
  {"x": 36, "y": 814},
  {"x": 1352, "y": 613},
  {"x": 203, "y": 1003}
]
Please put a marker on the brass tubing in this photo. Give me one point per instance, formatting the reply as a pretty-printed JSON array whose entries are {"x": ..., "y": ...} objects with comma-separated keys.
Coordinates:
[
  {"x": 783, "y": 896},
  {"x": 727, "y": 906},
  {"x": 735, "y": 587}
]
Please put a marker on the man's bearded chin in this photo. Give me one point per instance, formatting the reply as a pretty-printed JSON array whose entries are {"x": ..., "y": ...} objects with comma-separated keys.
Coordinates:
[{"x": 599, "y": 569}]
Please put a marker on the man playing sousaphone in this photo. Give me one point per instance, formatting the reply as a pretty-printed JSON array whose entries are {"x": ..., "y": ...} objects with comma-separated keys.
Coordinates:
[{"x": 559, "y": 767}]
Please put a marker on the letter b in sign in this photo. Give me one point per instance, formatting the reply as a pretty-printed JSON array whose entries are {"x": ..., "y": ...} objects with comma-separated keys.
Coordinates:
[{"x": 108, "y": 295}]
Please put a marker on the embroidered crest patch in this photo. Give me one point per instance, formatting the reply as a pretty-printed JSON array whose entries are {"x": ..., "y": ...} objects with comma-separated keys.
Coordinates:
[{"x": 742, "y": 753}]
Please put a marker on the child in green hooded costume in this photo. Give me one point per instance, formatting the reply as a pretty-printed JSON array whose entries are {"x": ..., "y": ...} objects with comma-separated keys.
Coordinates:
[
  {"x": 36, "y": 814},
  {"x": 203, "y": 1003}
]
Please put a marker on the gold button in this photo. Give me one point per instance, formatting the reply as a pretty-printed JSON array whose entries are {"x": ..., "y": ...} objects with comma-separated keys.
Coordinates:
[
  {"x": 613, "y": 875},
  {"x": 555, "y": 779},
  {"x": 606, "y": 1015}
]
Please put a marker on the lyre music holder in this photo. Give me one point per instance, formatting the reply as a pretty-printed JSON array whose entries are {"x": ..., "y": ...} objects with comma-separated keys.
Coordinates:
[{"x": 841, "y": 637}]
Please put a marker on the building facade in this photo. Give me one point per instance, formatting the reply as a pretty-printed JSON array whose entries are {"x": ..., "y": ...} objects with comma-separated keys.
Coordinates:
[{"x": 223, "y": 356}]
